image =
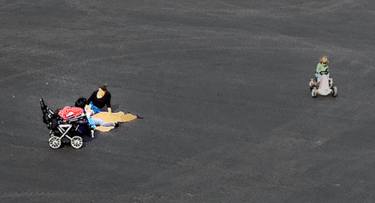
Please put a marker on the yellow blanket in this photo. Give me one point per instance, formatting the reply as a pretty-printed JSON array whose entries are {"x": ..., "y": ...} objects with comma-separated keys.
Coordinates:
[{"x": 113, "y": 117}]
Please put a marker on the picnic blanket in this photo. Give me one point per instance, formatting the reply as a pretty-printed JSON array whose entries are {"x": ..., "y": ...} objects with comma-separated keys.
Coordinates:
[{"x": 120, "y": 117}]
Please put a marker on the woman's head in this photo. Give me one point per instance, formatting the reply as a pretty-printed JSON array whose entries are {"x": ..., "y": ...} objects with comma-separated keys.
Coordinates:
[
  {"x": 103, "y": 88},
  {"x": 101, "y": 91},
  {"x": 324, "y": 60}
]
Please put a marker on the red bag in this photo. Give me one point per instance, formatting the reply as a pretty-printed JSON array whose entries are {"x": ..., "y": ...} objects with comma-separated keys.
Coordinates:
[{"x": 70, "y": 112}]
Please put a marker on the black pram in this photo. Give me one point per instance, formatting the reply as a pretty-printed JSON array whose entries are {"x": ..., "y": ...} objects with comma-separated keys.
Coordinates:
[{"x": 71, "y": 130}]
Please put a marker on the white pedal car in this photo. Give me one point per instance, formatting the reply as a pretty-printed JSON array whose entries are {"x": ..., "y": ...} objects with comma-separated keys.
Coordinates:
[{"x": 324, "y": 87}]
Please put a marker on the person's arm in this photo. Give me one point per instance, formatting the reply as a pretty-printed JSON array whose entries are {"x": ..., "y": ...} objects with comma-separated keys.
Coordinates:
[
  {"x": 108, "y": 102},
  {"x": 88, "y": 109},
  {"x": 91, "y": 98},
  {"x": 318, "y": 68}
]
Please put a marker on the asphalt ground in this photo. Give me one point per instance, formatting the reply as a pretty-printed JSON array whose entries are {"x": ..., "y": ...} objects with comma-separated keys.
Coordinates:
[{"x": 222, "y": 87}]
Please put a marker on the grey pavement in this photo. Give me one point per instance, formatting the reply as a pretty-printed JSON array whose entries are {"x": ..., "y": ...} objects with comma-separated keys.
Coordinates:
[{"x": 222, "y": 87}]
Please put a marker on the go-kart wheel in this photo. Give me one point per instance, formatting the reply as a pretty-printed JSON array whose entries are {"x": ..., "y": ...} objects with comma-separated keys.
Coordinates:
[
  {"x": 334, "y": 91},
  {"x": 311, "y": 84},
  {"x": 76, "y": 142},
  {"x": 54, "y": 142},
  {"x": 314, "y": 92},
  {"x": 330, "y": 82}
]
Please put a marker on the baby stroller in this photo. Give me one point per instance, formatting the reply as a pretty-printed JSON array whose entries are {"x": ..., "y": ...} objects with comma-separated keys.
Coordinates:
[{"x": 61, "y": 130}]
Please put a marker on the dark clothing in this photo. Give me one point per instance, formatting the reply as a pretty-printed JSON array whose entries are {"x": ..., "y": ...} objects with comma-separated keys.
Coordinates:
[
  {"x": 81, "y": 102},
  {"x": 100, "y": 103}
]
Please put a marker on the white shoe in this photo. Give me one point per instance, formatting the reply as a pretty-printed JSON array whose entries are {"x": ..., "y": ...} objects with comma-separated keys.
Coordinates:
[{"x": 92, "y": 133}]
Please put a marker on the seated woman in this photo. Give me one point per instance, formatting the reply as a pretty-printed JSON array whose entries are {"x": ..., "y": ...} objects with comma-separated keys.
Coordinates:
[{"x": 99, "y": 99}]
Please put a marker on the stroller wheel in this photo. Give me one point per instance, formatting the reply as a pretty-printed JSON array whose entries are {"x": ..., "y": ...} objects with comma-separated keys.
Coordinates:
[
  {"x": 76, "y": 142},
  {"x": 54, "y": 142}
]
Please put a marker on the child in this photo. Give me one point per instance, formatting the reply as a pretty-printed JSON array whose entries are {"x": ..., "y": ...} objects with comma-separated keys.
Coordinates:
[{"x": 322, "y": 68}]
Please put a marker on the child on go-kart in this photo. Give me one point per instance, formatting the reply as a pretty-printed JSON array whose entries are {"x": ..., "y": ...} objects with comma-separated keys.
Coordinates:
[
  {"x": 322, "y": 68},
  {"x": 322, "y": 83}
]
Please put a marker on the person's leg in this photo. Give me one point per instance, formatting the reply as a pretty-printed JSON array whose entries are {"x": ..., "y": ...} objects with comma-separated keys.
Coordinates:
[
  {"x": 92, "y": 125},
  {"x": 108, "y": 124},
  {"x": 100, "y": 122},
  {"x": 317, "y": 77},
  {"x": 91, "y": 122}
]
